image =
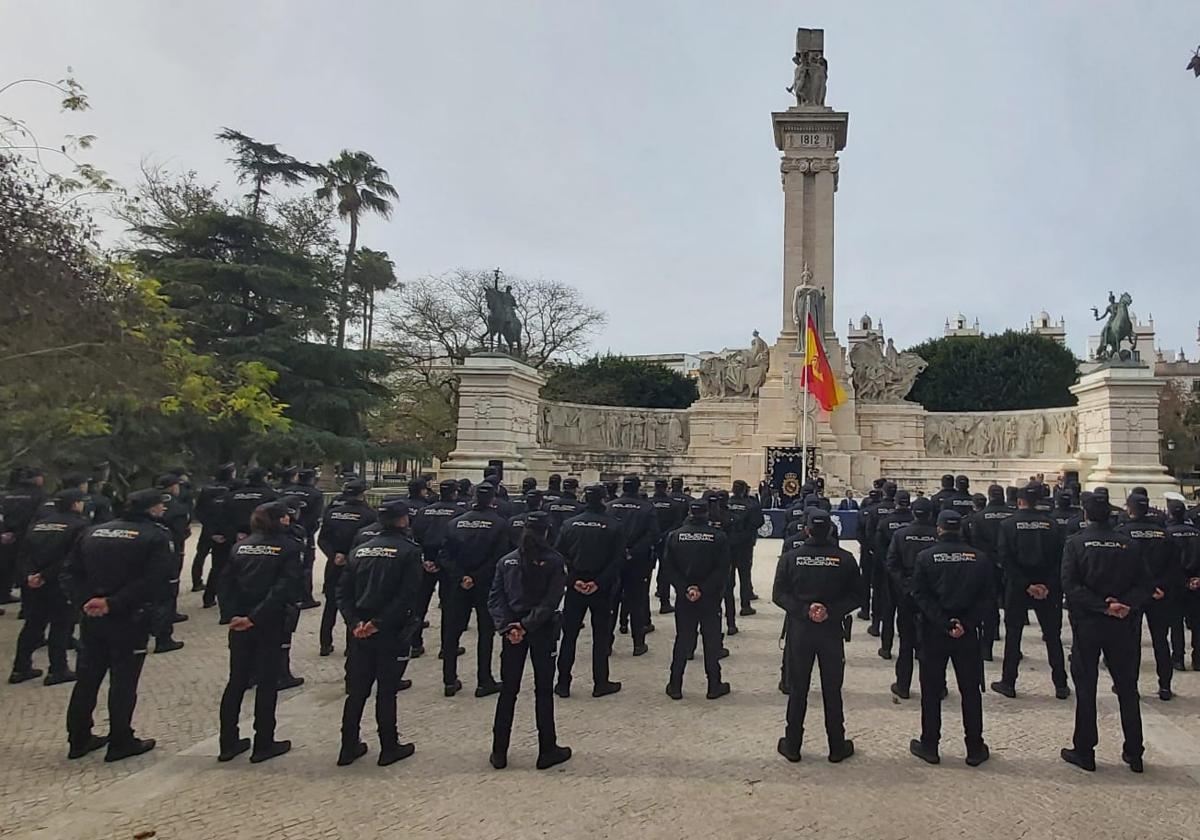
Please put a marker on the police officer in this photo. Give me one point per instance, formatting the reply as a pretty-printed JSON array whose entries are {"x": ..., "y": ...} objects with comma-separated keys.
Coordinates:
[
  {"x": 1106, "y": 583},
  {"x": 746, "y": 517},
  {"x": 593, "y": 548},
  {"x": 18, "y": 508},
  {"x": 378, "y": 595},
  {"x": 946, "y": 491},
  {"x": 99, "y": 501},
  {"x": 243, "y": 499},
  {"x": 565, "y": 506},
  {"x": 1065, "y": 514},
  {"x": 430, "y": 525},
  {"x": 523, "y": 602},
  {"x": 464, "y": 492},
  {"x": 817, "y": 584},
  {"x": 697, "y": 562},
  {"x": 885, "y": 532},
  {"x": 901, "y": 562},
  {"x": 516, "y": 522},
  {"x": 640, "y": 528},
  {"x": 1030, "y": 548},
  {"x": 43, "y": 551},
  {"x": 952, "y": 587},
  {"x": 475, "y": 542},
  {"x": 670, "y": 513},
  {"x": 865, "y": 510},
  {"x": 178, "y": 520},
  {"x": 113, "y": 578},
  {"x": 310, "y": 502},
  {"x": 876, "y": 513},
  {"x": 982, "y": 530},
  {"x": 1162, "y": 607},
  {"x": 1185, "y": 537},
  {"x": 346, "y": 515},
  {"x": 258, "y": 588},
  {"x": 418, "y": 494},
  {"x": 210, "y": 512},
  {"x": 554, "y": 487}
]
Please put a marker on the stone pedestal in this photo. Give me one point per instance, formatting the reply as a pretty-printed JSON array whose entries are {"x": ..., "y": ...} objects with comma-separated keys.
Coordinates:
[
  {"x": 722, "y": 432},
  {"x": 497, "y": 416},
  {"x": 1118, "y": 431}
]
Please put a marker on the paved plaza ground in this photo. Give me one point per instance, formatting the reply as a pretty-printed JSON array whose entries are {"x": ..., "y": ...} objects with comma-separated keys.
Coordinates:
[{"x": 644, "y": 766}]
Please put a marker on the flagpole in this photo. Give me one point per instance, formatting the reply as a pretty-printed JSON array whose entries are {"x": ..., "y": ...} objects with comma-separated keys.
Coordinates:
[{"x": 804, "y": 412}]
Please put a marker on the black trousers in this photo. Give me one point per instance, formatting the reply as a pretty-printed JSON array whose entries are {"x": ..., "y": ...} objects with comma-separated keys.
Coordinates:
[
  {"x": 166, "y": 607},
  {"x": 867, "y": 570},
  {"x": 203, "y": 546},
  {"x": 220, "y": 556},
  {"x": 1119, "y": 640},
  {"x": 306, "y": 572},
  {"x": 820, "y": 643},
  {"x": 254, "y": 655},
  {"x": 575, "y": 607},
  {"x": 662, "y": 589},
  {"x": 937, "y": 650},
  {"x": 1161, "y": 617},
  {"x": 741, "y": 567},
  {"x": 884, "y": 614},
  {"x": 906, "y": 627},
  {"x": 375, "y": 661},
  {"x": 429, "y": 584},
  {"x": 9, "y": 566},
  {"x": 456, "y": 612},
  {"x": 1190, "y": 609},
  {"x": 1049, "y": 616},
  {"x": 538, "y": 646},
  {"x": 633, "y": 595},
  {"x": 329, "y": 610},
  {"x": 702, "y": 617},
  {"x": 990, "y": 629},
  {"x": 114, "y": 647},
  {"x": 44, "y": 607}
]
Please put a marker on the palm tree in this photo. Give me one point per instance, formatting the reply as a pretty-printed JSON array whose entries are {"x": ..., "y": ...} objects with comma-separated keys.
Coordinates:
[
  {"x": 262, "y": 163},
  {"x": 374, "y": 272},
  {"x": 358, "y": 184}
]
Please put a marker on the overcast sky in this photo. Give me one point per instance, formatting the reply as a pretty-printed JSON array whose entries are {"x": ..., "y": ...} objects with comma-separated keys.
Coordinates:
[{"x": 1003, "y": 157}]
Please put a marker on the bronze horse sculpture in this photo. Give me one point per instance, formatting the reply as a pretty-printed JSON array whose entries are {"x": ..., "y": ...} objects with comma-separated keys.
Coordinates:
[{"x": 1118, "y": 328}]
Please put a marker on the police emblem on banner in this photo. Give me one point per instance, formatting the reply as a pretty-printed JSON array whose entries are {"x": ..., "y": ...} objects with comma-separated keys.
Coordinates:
[{"x": 790, "y": 485}]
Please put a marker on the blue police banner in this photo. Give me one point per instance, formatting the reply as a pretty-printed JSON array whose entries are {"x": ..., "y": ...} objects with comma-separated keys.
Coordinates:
[{"x": 785, "y": 466}]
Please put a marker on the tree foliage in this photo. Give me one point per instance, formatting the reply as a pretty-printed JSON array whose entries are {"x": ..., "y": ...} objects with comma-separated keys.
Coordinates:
[
  {"x": 1179, "y": 426},
  {"x": 616, "y": 380},
  {"x": 1004, "y": 372},
  {"x": 88, "y": 348}
]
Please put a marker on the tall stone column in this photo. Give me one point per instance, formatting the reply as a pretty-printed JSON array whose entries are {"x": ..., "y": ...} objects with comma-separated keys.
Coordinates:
[{"x": 809, "y": 138}]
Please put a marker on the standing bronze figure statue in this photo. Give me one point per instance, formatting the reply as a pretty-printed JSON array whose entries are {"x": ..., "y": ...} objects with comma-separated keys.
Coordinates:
[
  {"x": 1118, "y": 327},
  {"x": 502, "y": 321}
]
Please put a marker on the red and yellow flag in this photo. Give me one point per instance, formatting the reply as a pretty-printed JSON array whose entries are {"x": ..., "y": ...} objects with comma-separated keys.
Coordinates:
[{"x": 817, "y": 376}]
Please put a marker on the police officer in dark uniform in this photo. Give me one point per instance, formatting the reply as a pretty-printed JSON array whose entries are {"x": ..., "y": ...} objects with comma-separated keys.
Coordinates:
[
  {"x": 565, "y": 506},
  {"x": 210, "y": 512},
  {"x": 464, "y": 492},
  {"x": 885, "y": 532},
  {"x": 875, "y": 514},
  {"x": 99, "y": 501},
  {"x": 178, "y": 520},
  {"x": 18, "y": 508},
  {"x": 378, "y": 595},
  {"x": 554, "y": 488},
  {"x": 593, "y": 548},
  {"x": 516, "y": 522},
  {"x": 817, "y": 584},
  {"x": 697, "y": 562},
  {"x": 242, "y": 500},
  {"x": 523, "y": 602},
  {"x": 418, "y": 494},
  {"x": 746, "y": 517},
  {"x": 1107, "y": 583},
  {"x": 43, "y": 552},
  {"x": 865, "y": 510},
  {"x": 906, "y": 545},
  {"x": 982, "y": 530},
  {"x": 311, "y": 503},
  {"x": 113, "y": 578},
  {"x": 430, "y": 525},
  {"x": 345, "y": 516},
  {"x": 475, "y": 542},
  {"x": 946, "y": 491},
  {"x": 640, "y": 527},
  {"x": 1162, "y": 608},
  {"x": 952, "y": 587},
  {"x": 258, "y": 588},
  {"x": 1065, "y": 514},
  {"x": 1185, "y": 537},
  {"x": 670, "y": 513},
  {"x": 1030, "y": 548}
]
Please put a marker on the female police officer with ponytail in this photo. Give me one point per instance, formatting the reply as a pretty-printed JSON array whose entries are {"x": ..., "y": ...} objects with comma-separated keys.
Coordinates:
[{"x": 523, "y": 603}]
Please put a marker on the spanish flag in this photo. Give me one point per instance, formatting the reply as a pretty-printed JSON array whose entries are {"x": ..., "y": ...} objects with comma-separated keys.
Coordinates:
[{"x": 817, "y": 376}]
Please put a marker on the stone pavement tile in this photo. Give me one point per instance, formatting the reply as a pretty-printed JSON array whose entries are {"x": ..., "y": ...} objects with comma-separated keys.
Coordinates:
[{"x": 644, "y": 765}]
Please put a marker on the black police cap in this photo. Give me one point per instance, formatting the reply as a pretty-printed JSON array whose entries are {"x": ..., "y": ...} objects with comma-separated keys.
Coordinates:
[
  {"x": 394, "y": 508},
  {"x": 448, "y": 484},
  {"x": 923, "y": 507},
  {"x": 817, "y": 518},
  {"x": 355, "y": 485},
  {"x": 595, "y": 493},
  {"x": 538, "y": 521},
  {"x": 903, "y": 498},
  {"x": 70, "y": 495},
  {"x": 696, "y": 507},
  {"x": 571, "y": 484},
  {"x": 950, "y": 520},
  {"x": 485, "y": 490},
  {"x": 166, "y": 480},
  {"x": 143, "y": 500}
]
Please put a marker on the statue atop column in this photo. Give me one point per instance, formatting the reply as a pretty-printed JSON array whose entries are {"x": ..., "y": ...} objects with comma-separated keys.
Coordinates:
[
  {"x": 812, "y": 70},
  {"x": 1118, "y": 327},
  {"x": 503, "y": 323}
]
